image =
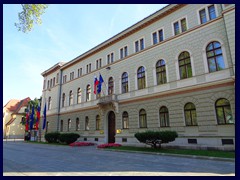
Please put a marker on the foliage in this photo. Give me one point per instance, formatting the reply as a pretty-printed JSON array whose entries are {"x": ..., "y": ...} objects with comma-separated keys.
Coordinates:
[
  {"x": 109, "y": 145},
  {"x": 52, "y": 137},
  {"x": 155, "y": 138},
  {"x": 31, "y": 14},
  {"x": 68, "y": 138}
]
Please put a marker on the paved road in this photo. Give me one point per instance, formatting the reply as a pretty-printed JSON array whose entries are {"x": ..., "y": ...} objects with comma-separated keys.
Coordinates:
[{"x": 24, "y": 159}]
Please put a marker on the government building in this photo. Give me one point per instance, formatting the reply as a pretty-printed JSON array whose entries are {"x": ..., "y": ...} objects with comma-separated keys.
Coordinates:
[{"x": 173, "y": 70}]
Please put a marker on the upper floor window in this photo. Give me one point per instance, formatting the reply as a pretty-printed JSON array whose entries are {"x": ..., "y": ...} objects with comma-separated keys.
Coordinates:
[
  {"x": 63, "y": 99},
  {"x": 124, "y": 82},
  {"x": 57, "y": 78},
  {"x": 110, "y": 86},
  {"x": 139, "y": 45},
  {"x": 125, "y": 120},
  {"x": 161, "y": 72},
  {"x": 141, "y": 78},
  {"x": 190, "y": 114},
  {"x": 79, "y": 72},
  {"x": 79, "y": 95},
  {"x": 88, "y": 93},
  {"x": 44, "y": 84},
  {"x": 54, "y": 81},
  {"x": 185, "y": 68},
  {"x": 207, "y": 13},
  {"x": 88, "y": 68},
  {"x": 164, "y": 117},
  {"x": 86, "y": 123},
  {"x": 71, "y": 75},
  {"x": 215, "y": 57},
  {"x": 142, "y": 118},
  {"x": 48, "y": 84},
  {"x": 110, "y": 58},
  {"x": 157, "y": 36},
  {"x": 69, "y": 124},
  {"x": 51, "y": 83},
  {"x": 123, "y": 52},
  {"x": 77, "y": 124},
  {"x": 180, "y": 26},
  {"x": 98, "y": 63},
  {"x": 70, "y": 98},
  {"x": 223, "y": 111},
  {"x": 98, "y": 122},
  {"x": 49, "y": 103},
  {"x": 64, "y": 79}
]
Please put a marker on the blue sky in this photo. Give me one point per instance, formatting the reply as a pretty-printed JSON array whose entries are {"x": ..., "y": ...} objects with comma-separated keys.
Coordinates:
[{"x": 67, "y": 31}]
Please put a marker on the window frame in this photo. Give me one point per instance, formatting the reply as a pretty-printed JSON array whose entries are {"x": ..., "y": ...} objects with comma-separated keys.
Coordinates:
[{"x": 191, "y": 116}]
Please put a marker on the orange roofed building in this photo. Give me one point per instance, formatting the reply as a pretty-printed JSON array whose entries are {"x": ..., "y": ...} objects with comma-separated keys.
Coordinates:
[{"x": 13, "y": 112}]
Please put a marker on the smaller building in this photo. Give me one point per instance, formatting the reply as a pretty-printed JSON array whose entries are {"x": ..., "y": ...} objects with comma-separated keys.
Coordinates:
[{"x": 13, "y": 112}]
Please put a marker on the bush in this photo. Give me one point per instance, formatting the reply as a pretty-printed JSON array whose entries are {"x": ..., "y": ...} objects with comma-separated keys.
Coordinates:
[
  {"x": 68, "y": 138},
  {"x": 52, "y": 137},
  {"x": 155, "y": 138}
]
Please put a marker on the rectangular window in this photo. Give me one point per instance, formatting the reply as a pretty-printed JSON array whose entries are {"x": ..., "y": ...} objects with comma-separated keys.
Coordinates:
[
  {"x": 141, "y": 44},
  {"x": 160, "y": 35},
  {"x": 212, "y": 13},
  {"x": 57, "y": 79},
  {"x": 90, "y": 68},
  {"x": 71, "y": 76},
  {"x": 154, "y": 36},
  {"x": 203, "y": 17},
  {"x": 64, "y": 79},
  {"x": 176, "y": 28},
  {"x": 112, "y": 57},
  {"x": 136, "y": 46},
  {"x": 125, "y": 51},
  {"x": 44, "y": 82},
  {"x": 184, "y": 25},
  {"x": 121, "y": 53},
  {"x": 108, "y": 58}
]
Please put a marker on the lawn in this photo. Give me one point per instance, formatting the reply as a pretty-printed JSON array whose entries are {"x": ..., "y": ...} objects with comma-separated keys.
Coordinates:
[{"x": 209, "y": 153}]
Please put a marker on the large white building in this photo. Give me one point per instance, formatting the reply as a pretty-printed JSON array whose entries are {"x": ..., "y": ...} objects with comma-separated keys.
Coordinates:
[{"x": 174, "y": 70}]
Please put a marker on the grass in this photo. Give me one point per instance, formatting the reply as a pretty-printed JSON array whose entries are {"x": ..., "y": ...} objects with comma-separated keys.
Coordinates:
[{"x": 209, "y": 153}]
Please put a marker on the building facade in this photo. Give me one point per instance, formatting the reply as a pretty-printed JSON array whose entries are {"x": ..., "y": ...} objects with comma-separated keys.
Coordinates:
[
  {"x": 174, "y": 70},
  {"x": 13, "y": 112}
]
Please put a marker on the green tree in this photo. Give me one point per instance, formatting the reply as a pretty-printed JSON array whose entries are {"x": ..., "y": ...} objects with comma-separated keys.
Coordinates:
[{"x": 31, "y": 14}]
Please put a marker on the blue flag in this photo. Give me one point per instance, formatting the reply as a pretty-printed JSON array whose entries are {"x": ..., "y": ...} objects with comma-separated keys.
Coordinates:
[
  {"x": 44, "y": 116},
  {"x": 32, "y": 118},
  {"x": 99, "y": 87}
]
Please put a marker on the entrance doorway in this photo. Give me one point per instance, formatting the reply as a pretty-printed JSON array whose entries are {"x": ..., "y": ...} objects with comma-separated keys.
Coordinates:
[{"x": 111, "y": 127}]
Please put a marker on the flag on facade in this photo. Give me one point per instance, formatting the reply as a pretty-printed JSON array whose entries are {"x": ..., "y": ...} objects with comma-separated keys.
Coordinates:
[
  {"x": 27, "y": 119},
  {"x": 44, "y": 116},
  {"x": 38, "y": 116},
  {"x": 32, "y": 118},
  {"x": 96, "y": 82},
  {"x": 99, "y": 89}
]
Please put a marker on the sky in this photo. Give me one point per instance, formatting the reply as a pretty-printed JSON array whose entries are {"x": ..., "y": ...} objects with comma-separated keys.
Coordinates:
[{"x": 66, "y": 32}]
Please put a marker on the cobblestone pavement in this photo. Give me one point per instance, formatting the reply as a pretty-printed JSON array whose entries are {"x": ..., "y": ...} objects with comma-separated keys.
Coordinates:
[{"x": 27, "y": 159}]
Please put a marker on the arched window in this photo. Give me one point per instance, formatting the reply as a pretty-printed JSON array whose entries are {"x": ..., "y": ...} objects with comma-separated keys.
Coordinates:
[
  {"x": 63, "y": 99},
  {"x": 161, "y": 72},
  {"x": 86, "y": 123},
  {"x": 215, "y": 57},
  {"x": 88, "y": 93},
  {"x": 141, "y": 78},
  {"x": 164, "y": 117},
  {"x": 61, "y": 126},
  {"x": 98, "y": 120},
  {"x": 77, "y": 124},
  {"x": 124, "y": 82},
  {"x": 223, "y": 111},
  {"x": 70, "y": 98},
  {"x": 185, "y": 68},
  {"x": 190, "y": 114},
  {"x": 69, "y": 124},
  {"x": 79, "y": 95},
  {"x": 110, "y": 86},
  {"x": 125, "y": 120},
  {"x": 142, "y": 118},
  {"x": 49, "y": 103}
]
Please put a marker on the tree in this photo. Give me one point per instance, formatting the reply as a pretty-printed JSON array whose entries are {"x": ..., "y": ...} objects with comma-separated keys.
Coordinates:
[
  {"x": 31, "y": 14},
  {"x": 155, "y": 138}
]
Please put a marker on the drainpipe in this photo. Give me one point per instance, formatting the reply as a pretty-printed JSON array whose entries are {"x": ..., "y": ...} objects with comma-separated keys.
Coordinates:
[{"x": 59, "y": 99}]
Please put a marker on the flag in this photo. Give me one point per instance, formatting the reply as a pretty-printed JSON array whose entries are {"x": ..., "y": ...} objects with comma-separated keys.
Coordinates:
[
  {"x": 99, "y": 89},
  {"x": 32, "y": 118},
  {"x": 96, "y": 82},
  {"x": 38, "y": 116},
  {"x": 44, "y": 116},
  {"x": 27, "y": 120}
]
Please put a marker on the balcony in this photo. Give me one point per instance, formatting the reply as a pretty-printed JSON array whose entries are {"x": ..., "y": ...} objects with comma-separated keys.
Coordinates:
[{"x": 110, "y": 100}]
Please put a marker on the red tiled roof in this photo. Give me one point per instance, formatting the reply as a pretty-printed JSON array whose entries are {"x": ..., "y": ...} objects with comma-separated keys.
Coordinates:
[{"x": 15, "y": 105}]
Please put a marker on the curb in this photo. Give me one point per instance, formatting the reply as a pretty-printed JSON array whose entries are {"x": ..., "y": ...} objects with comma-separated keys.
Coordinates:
[{"x": 175, "y": 155}]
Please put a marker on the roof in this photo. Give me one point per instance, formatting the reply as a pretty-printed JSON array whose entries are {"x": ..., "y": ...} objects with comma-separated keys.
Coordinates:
[
  {"x": 15, "y": 105},
  {"x": 10, "y": 121}
]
